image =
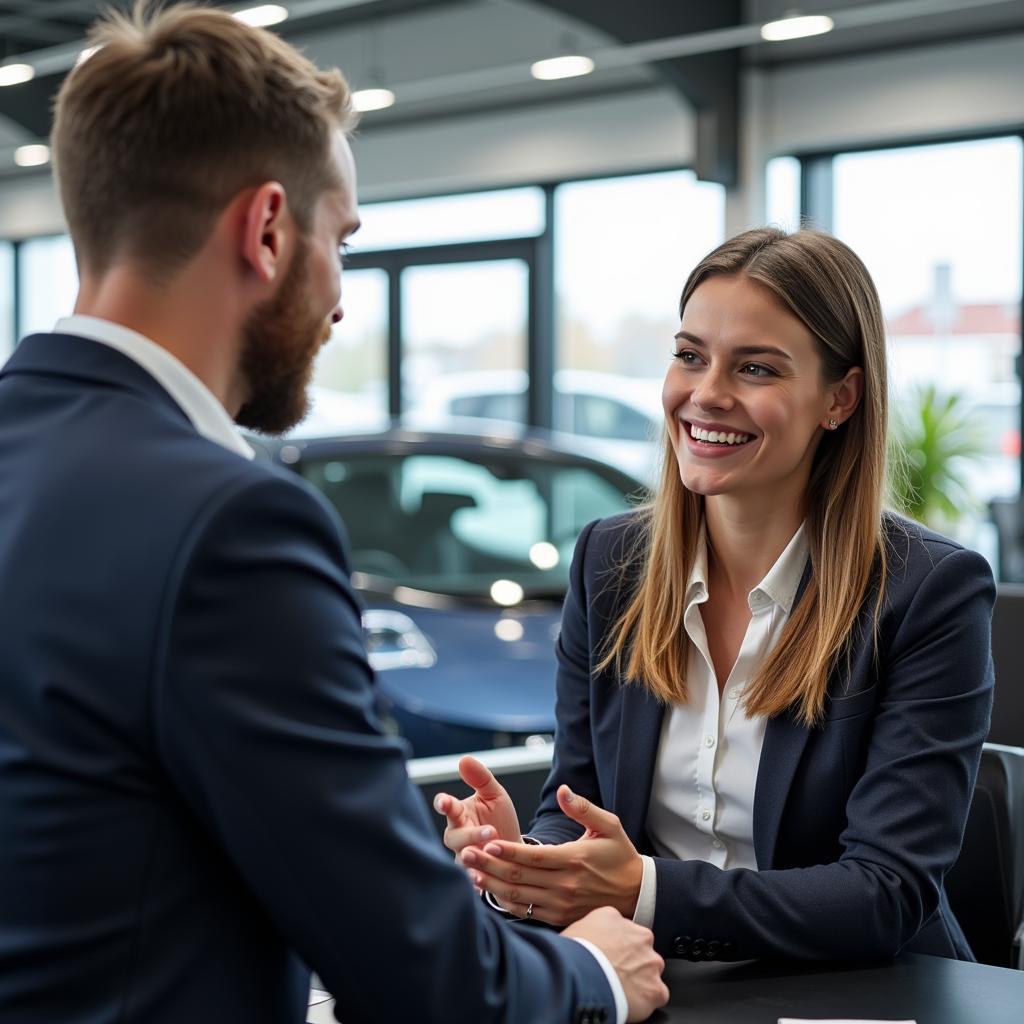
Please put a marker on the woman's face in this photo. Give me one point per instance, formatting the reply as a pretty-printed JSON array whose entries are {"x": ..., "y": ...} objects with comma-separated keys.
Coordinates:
[{"x": 745, "y": 400}]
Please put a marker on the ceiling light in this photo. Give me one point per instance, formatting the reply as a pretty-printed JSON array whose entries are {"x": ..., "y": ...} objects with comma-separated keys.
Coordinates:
[
  {"x": 32, "y": 156},
  {"x": 262, "y": 16},
  {"x": 15, "y": 74},
  {"x": 796, "y": 26},
  {"x": 561, "y": 67},
  {"x": 372, "y": 99}
]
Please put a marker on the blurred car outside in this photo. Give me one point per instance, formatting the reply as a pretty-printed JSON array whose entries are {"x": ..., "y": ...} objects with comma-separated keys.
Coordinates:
[
  {"x": 615, "y": 419},
  {"x": 460, "y": 549}
]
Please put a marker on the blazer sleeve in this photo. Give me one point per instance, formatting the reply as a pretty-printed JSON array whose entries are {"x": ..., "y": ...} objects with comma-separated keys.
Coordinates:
[
  {"x": 573, "y": 762},
  {"x": 264, "y": 717},
  {"x": 905, "y": 813}
]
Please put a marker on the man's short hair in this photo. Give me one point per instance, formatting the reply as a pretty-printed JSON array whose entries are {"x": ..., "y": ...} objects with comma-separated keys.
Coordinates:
[{"x": 176, "y": 111}]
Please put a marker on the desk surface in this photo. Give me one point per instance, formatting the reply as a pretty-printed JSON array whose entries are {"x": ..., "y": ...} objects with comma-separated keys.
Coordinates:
[{"x": 928, "y": 989}]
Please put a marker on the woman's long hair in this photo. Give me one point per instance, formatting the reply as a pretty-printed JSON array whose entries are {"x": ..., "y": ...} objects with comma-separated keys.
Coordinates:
[{"x": 824, "y": 285}]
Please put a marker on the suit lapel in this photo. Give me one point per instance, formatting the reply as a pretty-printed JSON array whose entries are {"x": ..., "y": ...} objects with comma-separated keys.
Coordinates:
[
  {"x": 639, "y": 729},
  {"x": 784, "y": 742}
]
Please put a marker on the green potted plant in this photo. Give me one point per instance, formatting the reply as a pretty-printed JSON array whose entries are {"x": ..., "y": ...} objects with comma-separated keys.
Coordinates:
[{"x": 932, "y": 436}]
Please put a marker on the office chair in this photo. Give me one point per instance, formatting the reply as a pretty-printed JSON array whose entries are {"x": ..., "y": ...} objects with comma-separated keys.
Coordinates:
[
  {"x": 986, "y": 885},
  {"x": 1008, "y": 656}
]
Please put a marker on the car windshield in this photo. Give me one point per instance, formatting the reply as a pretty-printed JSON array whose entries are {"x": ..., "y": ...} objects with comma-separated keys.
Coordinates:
[{"x": 501, "y": 525}]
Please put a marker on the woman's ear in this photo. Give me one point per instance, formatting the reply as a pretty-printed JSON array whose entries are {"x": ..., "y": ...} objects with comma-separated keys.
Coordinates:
[
  {"x": 264, "y": 222},
  {"x": 844, "y": 398}
]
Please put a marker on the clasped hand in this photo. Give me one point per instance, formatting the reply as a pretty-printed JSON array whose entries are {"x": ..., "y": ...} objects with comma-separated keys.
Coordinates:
[{"x": 562, "y": 882}]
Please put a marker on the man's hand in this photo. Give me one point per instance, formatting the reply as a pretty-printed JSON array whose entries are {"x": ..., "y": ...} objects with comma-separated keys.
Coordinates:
[
  {"x": 487, "y": 814},
  {"x": 630, "y": 948},
  {"x": 563, "y": 882}
]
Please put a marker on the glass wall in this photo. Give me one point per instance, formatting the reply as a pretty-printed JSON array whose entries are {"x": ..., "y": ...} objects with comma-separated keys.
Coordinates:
[
  {"x": 444, "y": 220},
  {"x": 464, "y": 341},
  {"x": 8, "y": 328},
  {"x": 939, "y": 227},
  {"x": 623, "y": 250},
  {"x": 48, "y": 282},
  {"x": 350, "y": 389}
]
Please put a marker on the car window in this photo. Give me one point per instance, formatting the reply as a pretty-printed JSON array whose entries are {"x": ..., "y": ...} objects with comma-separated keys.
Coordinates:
[
  {"x": 506, "y": 406},
  {"x": 457, "y": 525},
  {"x": 597, "y": 416}
]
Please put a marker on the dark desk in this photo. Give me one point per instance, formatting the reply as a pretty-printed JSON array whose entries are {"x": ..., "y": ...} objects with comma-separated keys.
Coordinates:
[
  {"x": 927, "y": 989},
  {"x": 922, "y": 988}
]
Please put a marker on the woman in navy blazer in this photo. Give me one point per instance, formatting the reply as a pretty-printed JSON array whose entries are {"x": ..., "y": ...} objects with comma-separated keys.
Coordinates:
[{"x": 844, "y": 653}]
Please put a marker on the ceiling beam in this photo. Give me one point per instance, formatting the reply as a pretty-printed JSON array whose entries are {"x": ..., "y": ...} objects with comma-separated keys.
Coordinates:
[{"x": 708, "y": 81}]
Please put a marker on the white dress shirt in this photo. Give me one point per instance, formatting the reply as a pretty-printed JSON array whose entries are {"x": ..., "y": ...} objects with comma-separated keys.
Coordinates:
[
  {"x": 702, "y": 797},
  {"x": 197, "y": 402}
]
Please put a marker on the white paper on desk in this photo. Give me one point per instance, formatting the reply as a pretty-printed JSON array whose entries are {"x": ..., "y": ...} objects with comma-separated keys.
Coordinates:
[{"x": 839, "y": 1020}]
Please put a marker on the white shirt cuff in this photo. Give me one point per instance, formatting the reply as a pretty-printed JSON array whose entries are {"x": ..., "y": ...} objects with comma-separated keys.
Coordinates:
[
  {"x": 644, "y": 913},
  {"x": 621, "y": 1006}
]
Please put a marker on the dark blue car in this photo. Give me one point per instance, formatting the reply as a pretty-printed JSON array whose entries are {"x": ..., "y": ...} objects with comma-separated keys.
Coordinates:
[{"x": 460, "y": 548}]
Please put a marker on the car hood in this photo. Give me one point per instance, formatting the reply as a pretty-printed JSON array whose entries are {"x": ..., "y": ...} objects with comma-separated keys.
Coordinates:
[{"x": 478, "y": 679}]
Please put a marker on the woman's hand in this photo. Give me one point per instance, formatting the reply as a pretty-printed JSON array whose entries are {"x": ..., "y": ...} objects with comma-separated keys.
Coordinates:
[
  {"x": 487, "y": 814},
  {"x": 565, "y": 882}
]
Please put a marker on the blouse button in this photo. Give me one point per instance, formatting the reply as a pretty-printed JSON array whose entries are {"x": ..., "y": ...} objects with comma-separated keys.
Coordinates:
[
  {"x": 734, "y": 693},
  {"x": 706, "y": 814},
  {"x": 709, "y": 740}
]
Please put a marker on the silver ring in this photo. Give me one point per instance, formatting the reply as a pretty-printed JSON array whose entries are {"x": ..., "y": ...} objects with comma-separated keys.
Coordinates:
[{"x": 529, "y": 912}]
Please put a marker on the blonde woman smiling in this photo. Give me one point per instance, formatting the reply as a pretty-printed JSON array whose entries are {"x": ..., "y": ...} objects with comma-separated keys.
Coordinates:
[{"x": 772, "y": 694}]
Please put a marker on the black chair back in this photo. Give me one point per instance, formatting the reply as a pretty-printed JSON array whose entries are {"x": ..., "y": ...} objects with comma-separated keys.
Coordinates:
[
  {"x": 986, "y": 885},
  {"x": 1008, "y": 657}
]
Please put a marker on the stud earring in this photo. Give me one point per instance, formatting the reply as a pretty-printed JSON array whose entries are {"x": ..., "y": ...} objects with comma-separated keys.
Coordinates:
[{"x": 832, "y": 424}]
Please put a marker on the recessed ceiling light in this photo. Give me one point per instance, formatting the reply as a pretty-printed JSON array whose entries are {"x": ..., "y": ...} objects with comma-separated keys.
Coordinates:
[
  {"x": 32, "y": 156},
  {"x": 15, "y": 74},
  {"x": 262, "y": 16},
  {"x": 796, "y": 26},
  {"x": 561, "y": 67},
  {"x": 372, "y": 99}
]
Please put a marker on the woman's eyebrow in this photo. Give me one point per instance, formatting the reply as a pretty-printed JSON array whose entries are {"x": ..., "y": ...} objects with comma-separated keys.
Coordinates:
[{"x": 743, "y": 350}]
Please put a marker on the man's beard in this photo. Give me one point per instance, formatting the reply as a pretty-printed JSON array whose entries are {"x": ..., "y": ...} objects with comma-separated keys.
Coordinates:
[{"x": 281, "y": 340}]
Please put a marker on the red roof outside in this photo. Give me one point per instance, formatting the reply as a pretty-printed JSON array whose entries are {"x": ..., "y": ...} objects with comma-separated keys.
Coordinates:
[{"x": 979, "y": 318}]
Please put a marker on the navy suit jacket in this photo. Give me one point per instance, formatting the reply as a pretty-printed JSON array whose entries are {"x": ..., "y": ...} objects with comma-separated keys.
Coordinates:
[
  {"x": 856, "y": 821},
  {"x": 196, "y": 799}
]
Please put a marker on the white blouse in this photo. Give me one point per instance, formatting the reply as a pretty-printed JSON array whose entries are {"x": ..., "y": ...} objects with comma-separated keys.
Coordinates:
[{"x": 702, "y": 797}]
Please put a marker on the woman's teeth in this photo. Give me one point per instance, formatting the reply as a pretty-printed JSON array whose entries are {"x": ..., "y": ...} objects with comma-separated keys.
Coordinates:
[{"x": 717, "y": 436}]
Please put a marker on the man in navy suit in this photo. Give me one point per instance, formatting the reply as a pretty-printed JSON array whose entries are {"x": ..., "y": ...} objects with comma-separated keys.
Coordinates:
[{"x": 191, "y": 768}]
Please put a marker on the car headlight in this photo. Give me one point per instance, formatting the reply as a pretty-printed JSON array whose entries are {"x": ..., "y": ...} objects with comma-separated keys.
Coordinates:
[{"x": 393, "y": 641}]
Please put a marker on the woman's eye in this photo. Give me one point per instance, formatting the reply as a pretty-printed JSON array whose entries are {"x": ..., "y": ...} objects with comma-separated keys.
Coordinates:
[
  {"x": 686, "y": 356},
  {"x": 757, "y": 370}
]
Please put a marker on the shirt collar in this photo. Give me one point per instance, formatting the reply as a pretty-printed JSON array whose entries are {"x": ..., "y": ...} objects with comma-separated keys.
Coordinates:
[
  {"x": 197, "y": 402},
  {"x": 779, "y": 585}
]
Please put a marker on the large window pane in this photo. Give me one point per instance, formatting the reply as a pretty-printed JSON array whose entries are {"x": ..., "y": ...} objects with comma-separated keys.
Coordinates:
[
  {"x": 782, "y": 193},
  {"x": 464, "y": 340},
  {"x": 475, "y": 217},
  {"x": 939, "y": 227},
  {"x": 350, "y": 380},
  {"x": 49, "y": 282},
  {"x": 624, "y": 249},
  {"x": 7, "y": 326}
]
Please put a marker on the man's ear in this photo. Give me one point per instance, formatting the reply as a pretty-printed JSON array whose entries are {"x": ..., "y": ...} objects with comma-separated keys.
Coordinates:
[{"x": 264, "y": 230}]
